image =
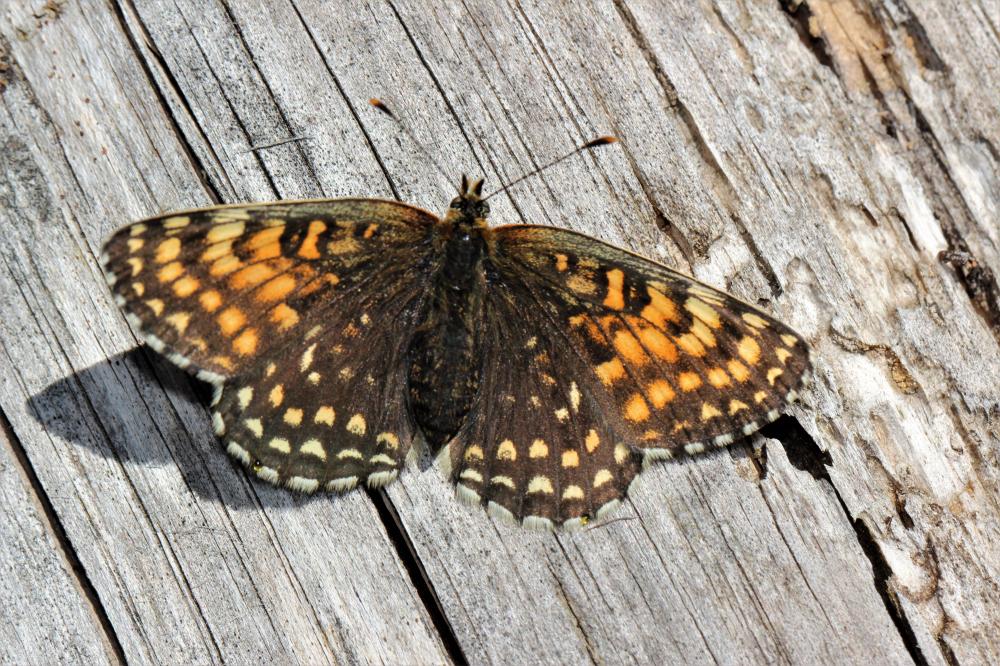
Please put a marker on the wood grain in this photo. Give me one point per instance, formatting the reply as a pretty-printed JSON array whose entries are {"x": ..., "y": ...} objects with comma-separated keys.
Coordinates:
[{"x": 834, "y": 161}]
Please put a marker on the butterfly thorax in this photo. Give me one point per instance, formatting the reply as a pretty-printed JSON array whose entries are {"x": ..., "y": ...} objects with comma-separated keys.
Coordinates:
[{"x": 444, "y": 364}]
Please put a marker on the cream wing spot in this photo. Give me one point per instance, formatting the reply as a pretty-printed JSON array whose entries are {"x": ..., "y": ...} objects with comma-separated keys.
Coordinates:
[
  {"x": 313, "y": 447},
  {"x": 244, "y": 396},
  {"x": 603, "y": 476},
  {"x": 573, "y": 493},
  {"x": 280, "y": 444},
  {"x": 255, "y": 426},
  {"x": 540, "y": 484},
  {"x": 507, "y": 451},
  {"x": 538, "y": 449}
]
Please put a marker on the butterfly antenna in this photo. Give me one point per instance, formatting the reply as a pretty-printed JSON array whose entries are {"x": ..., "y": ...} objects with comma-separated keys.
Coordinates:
[
  {"x": 381, "y": 106},
  {"x": 599, "y": 141}
]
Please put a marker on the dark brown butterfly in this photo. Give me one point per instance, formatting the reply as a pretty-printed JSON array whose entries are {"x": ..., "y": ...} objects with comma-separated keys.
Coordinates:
[{"x": 544, "y": 367}]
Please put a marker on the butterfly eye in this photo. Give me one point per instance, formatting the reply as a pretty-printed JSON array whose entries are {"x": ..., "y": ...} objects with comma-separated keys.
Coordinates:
[
  {"x": 483, "y": 209},
  {"x": 456, "y": 204}
]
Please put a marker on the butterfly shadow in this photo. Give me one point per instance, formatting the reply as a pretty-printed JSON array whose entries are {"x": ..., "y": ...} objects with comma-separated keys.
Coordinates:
[{"x": 136, "y": 408}]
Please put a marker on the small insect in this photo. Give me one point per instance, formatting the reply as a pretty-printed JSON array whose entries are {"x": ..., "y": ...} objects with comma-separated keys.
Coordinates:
[{"x": 541, "y": 366}]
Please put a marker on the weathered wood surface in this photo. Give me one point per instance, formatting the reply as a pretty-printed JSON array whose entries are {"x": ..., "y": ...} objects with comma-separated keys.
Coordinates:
[{"x": 814, "y": 157}]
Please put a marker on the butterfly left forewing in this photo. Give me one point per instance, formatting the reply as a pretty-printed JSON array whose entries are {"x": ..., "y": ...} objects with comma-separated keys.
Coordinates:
[
  {"x": 299, "y": 313},
  {"x": 217, "y": 288}
]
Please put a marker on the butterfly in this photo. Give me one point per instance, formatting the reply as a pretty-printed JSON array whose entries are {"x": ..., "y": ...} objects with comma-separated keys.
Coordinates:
[{"x": 543, "y": 367}]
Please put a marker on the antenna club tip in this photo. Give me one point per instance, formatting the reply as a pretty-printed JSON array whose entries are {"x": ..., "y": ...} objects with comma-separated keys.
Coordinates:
[
  {"x": 380, "y": 105},
  {"x": 600, "y": 141}
]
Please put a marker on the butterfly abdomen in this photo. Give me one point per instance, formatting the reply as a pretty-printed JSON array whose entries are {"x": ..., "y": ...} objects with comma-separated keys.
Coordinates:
[{"x": 444, "y": 359}]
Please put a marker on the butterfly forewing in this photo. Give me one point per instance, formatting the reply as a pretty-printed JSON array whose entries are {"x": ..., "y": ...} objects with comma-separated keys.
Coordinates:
[
  {"x": 677, "y": 365},
  {"x": 300, "y": 313}
]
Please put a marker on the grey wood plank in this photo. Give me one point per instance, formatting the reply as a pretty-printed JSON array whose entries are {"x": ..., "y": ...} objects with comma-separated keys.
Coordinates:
[
  {"x": 47, "y": 616},
  {"x": 818, "y": 173},
  {"x": 191, "y": 563}
]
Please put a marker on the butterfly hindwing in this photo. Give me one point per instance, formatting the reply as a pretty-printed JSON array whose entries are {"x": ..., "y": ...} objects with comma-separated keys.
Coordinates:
[
  {"x": 299, "y": 313},
  {"x": 536, "y": 446}
]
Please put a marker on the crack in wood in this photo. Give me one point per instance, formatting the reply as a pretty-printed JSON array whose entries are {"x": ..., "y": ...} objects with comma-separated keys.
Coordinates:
[
  {"x": 410, "y": 559},
  {"x": 69, "y": 553}
]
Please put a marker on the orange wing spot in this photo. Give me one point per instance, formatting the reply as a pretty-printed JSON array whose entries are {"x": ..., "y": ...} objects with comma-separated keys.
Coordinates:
[
  {"x": 739, "y": 371},
  {"x": 180, "y": 321},
  {"x": 610, "y": 371},
  {"x": 570, "y": 459},
  {"x": 343, "y": 246},
  {"x": 370, "y": 230},
  {"x": 718, "y": 378},
  {"x": 225, "y": 265},
  {"x": 137, "y": 229},
  {"x": 690, "y": 344},
  {"x": 135, "y": 244},
  {"x": 156, "y": 305},
  {"x": 308, "y": 248},
  {"x": 217, "y": 251},
  {"x": 659, "y": 344},
  {"x": 265, "y": 244},
  {"x": 136, "y": 264},
  {"x": 170, "y": 272},
  {"x": 651, "y": 435},
  {"x": 703, "y": 311},
  {"x": 186, "y": 286},
  {"x": 592, "y": 441},
  {"x": 581, "y": 284},
  {"x": 168, "y": 250},
  {"x": 688, "y": 381},
  {"x": 223, "y": 362},
  {"x": 760, "y": 396},
  {"x": 251, "y": 276},
  {"x": 749, "y": 350},
  {"x": 636, "y": 408},
  {"x": 246, "y": 343},
  {"x": 577, "y": 320},
  {"x": 562, "y": 262},
  {"x": 231, "y": 320},
  {"x": 659, "y": 393},
  {"x": 276, "y": 289},
  {"x": 782, "y": 354},
  {"x": 660, "y": 309},
  {"x": 139, "y": 288},
  {"x": 700, "y": 331},
  {"x": 736, "y": 406},
  {"x": 789, "y": 340},
  {"x": 284, "y": 316},
  {"x": 773, "y": 375},
  {"x": 210, "y": 300},
  {"x": 614, "y": 298},
  {"x": 276, "y": 396},
  {"x": 709, "y": 412},
  {"x": 629, "y": 347},
  {"x": 313, "y": 286}
]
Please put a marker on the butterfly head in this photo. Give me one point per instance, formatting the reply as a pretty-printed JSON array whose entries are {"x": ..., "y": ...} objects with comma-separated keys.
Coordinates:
[{"x": 469, "y": 205}]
